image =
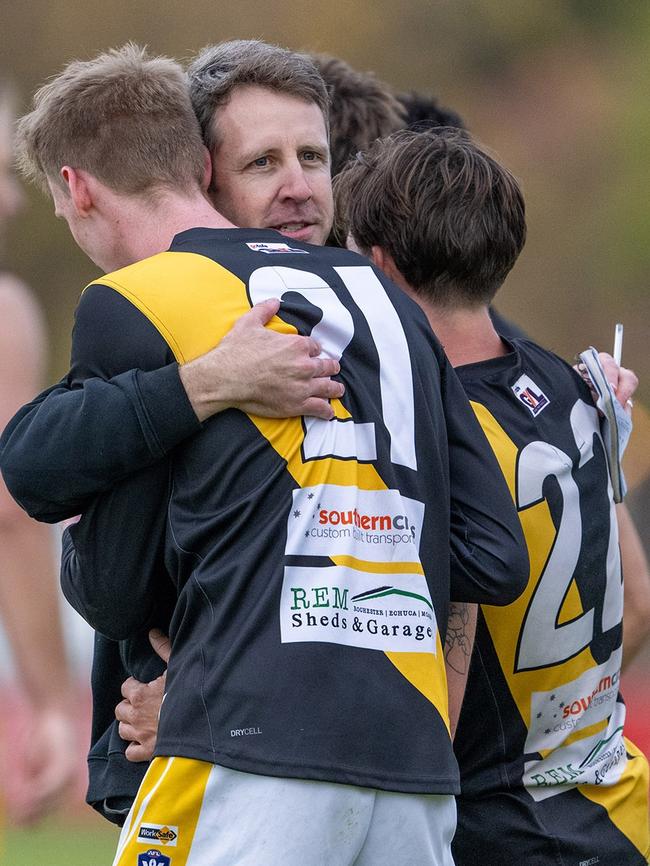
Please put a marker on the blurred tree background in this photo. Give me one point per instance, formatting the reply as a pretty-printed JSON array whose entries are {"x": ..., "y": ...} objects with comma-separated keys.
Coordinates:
[{"x": 555, "y": 88}]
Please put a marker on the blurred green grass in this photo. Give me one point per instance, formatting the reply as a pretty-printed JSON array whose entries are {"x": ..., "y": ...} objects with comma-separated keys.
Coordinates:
[{"x": 59, "y": 842}]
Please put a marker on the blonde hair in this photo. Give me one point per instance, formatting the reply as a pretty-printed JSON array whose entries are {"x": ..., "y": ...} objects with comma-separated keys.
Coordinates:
[{"x": 124, "y": 116}]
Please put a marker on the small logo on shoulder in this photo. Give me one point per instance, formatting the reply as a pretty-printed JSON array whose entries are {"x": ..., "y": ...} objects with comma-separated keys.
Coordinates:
[
  {"x": 530, "y": 394},
  {"x": 161, "y": 833},
  {"x": 153, "y": 857},
  {"x": 271, "y": 249}
]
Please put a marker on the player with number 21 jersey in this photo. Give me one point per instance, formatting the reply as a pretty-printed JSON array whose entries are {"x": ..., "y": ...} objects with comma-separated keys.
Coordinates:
[{"x": 312, "y": 558}]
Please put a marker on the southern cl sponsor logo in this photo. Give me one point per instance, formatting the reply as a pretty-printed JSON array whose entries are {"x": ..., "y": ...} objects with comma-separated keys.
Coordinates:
[
  {"x": 153, "y": 857},
  {"x": 164, "y": 834},
  {"x": 334, "y": 523},
  {"x": 581, "y": 704},
  {"x": 571, "y": 706},
  {"x": 370, "y": 525},
  {"x": 530, "y": 394},
  {"x": 352, "y": 517},
  {"x": 271, "y": 249}
]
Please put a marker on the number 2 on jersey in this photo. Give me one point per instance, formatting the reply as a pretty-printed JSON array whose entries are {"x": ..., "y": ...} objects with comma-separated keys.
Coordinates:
[{"x": 345, "y": 438}]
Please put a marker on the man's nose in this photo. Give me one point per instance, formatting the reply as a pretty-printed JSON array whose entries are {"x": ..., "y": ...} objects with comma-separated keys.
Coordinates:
[{"x": 295, "y": 184}]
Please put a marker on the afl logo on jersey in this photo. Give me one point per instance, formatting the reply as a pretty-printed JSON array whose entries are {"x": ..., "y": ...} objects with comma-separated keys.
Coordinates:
[
  {"x": 153, "y": 857},
  {"x": 271, "y": 249},
  {"x": 530, "y": 394}
]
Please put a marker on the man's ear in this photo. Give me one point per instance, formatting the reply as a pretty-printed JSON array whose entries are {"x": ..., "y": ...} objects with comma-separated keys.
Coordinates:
[
  {"x": 380, "y": 257},
  {"x": 77, "y": 183},
  {"x": 383, "y": 259}
]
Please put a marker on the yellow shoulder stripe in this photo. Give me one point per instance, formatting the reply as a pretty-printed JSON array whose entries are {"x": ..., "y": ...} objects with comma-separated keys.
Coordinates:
[{"x": 190, "y": 299}]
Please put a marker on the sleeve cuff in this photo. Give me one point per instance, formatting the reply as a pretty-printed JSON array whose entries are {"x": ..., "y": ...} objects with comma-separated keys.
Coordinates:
[{"x": 167, "y": 409}]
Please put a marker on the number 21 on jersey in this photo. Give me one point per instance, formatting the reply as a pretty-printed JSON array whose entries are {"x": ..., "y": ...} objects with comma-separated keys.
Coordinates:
[{"x": 543, "y": 641}]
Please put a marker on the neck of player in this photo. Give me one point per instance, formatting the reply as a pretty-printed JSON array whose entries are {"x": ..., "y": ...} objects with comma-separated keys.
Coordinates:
[
  {"x": 467, "y": 335},
  {"x": 146, "y": 228}
]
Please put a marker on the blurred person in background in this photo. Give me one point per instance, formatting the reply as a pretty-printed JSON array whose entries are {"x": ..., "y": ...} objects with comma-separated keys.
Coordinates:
[
  {"x": 364, "y": 108},
  {"x": 45, "y": 758},
  {"x": 424, "y": 111},
  {"x": 547, "y": 776}
]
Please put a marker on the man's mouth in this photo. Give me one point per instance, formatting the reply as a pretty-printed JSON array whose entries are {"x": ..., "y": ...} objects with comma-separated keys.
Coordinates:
[
  {"x": 307, "y": 231},
  {"x": 292, "y": 228}
]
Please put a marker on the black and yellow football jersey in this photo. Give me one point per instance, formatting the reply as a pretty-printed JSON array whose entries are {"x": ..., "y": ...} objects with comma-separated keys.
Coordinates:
[
  {"x": 311, "y": 558},
  {"x": 547, "y": 775}
]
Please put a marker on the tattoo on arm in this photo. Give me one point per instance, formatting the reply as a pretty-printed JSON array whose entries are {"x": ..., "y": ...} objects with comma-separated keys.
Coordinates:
[{"x": 458, "y": 643}]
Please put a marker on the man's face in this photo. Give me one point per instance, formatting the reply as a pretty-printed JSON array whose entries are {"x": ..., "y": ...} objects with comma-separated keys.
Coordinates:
[{"x": 271, "y": 164}]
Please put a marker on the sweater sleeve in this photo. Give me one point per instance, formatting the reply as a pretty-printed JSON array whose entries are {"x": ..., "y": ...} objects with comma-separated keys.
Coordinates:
[
  {"x": 489, "y": 559},
  {"x": 121, "y": 408}
]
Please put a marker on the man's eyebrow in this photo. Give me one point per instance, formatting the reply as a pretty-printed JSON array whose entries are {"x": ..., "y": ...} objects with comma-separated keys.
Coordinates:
[
  {"x": 258, "y": 150},
  {"x": 323, "y": 147}
]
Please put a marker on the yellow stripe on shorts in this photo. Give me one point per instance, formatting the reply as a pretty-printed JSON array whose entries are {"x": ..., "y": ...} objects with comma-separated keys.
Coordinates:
[{"x": 165, "y": 812}]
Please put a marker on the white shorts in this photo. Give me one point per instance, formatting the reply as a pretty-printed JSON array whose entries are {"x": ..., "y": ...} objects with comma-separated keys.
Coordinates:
[{"x": 191, "y": 813}]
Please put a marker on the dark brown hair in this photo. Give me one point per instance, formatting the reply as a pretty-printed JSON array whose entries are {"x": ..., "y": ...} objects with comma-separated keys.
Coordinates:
[
  {"x": 363, "y": 108},
  {"x": 425, "y": 112},
  {"x": 449, "y": 214},
  {"x": 125, "y": 117}
]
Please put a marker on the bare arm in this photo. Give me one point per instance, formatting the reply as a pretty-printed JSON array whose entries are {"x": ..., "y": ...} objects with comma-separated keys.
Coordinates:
[
  {"x": 636, "y": 577},
  {"x": 29, "y": 604},
  {"x": 459, "y": 643},
  {"x": 28, "y": 596},
  {"x": 636, "y": 572}
]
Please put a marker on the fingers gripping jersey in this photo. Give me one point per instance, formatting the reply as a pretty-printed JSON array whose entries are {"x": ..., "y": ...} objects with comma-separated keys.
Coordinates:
[
  {"x": 545, "y": 670},
  {"x": 306, "y": 635}
]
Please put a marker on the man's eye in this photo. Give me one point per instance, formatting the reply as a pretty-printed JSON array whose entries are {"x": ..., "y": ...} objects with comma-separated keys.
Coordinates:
[
  {"x": 261, "y": 161},
  {"x": 310, "y": 155}
]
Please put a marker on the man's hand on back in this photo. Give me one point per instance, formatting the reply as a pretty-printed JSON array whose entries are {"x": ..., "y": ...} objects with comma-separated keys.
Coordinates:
[
  {"x": 138, "y": 712},
  {"x": 262, "y": 372}
]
